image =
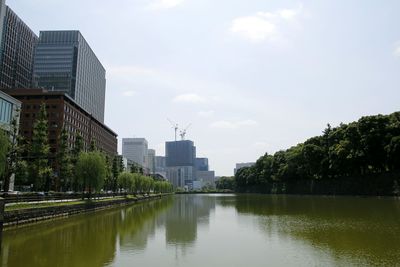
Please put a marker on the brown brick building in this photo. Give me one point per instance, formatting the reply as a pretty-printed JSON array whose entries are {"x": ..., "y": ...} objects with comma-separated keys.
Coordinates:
[{"x": 62, "y": 112}]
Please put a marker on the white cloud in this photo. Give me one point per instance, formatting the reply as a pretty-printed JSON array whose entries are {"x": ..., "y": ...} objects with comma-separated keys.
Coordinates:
[
  {"x": 397, "y": 50},
  {"x": 164, "y": 4},
  {"x": 254, "y": 28},
  {"x": 205, "y": 114},
  {"x": 233, "y": 124},
  {"x": 189, "y": 98},
  {"x": 263, "y": 25},
  {"x": 128, "y": 93}
]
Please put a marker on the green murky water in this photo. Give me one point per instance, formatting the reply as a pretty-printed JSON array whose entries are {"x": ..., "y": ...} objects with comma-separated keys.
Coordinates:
[{"x": 217, "y": 230}]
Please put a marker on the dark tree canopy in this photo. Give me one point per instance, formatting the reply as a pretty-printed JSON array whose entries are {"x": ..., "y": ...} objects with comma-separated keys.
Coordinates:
[{"x": 360, "y": 157}]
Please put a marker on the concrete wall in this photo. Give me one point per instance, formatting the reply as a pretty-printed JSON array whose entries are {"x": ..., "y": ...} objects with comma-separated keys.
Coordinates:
[{"x": 24, "y": 216}]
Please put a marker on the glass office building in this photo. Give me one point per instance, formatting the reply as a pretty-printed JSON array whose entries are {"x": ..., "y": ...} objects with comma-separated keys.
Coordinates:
[
  {"x": 180, "y": 159},
  {"x": 16, "y": 50},
  {"x": 180, "y": 153},
  {"x": 64, "y": 61},
  {"x": 9, "y": 110}
]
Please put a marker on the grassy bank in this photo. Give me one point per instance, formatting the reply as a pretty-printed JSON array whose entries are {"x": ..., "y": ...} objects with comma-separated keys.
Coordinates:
[{"x": 24, "y": 205}]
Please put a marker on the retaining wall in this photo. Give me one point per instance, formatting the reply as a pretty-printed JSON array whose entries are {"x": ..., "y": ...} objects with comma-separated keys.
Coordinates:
[{"x": 23, "y": 216}]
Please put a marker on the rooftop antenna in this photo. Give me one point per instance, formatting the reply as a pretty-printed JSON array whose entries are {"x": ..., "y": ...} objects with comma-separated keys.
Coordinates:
[
  {"x": 174, "y": 126},
  {"x": 183, "y": 132}
]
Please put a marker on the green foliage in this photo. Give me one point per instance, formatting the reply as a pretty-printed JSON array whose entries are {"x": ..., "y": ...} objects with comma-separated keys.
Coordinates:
[
  {"x": 4, "y": 146},
  {"x": 21, "y": 173},
  {"x": 92, "y": 146},
  {"x": 137, "y": 183},
  {"x": 76, "y": 151},
  {"x": 64, "y": 163},
  {"x": 136, "y": 168},
  {"x": 226, "y": 183},
  {"x": 40, "y": 170},
  {"x": 368, "y": 147},
  {"x": 91, "y": 171}
]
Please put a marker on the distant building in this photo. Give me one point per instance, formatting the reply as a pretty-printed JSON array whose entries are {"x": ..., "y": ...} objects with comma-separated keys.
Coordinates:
[
  {"x": 135, "y": 149},
  {"x": 202, "y": 164},
  {"x": 181, "y": 176},
  {"x": 127, "y": 164},
  {"x": 160, "y": 163},
  {"x": 207, "y": 178},
  {"x": 180, "y": 153},
  {"x": 63, "y": 113},
  {"x": 197, "y": 185},
  {"x": 151, "y": 161},
  {"x": 160, "y": 166},
  {"x": 64, "y": 61},
  {"x": 9, "y": 111},
  {"x": 16, "y": 52},
  {"x": 242, "y": 165},
  {"x": 180, "y": 159}
]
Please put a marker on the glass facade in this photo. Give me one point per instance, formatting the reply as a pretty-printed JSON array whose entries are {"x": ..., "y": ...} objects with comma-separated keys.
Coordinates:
[
  {"x": 180, "y": 153},
  {"x": 16, "y": 53},
  {"x": 65, "y": 62},
  {"x": 6, "y": 110}
]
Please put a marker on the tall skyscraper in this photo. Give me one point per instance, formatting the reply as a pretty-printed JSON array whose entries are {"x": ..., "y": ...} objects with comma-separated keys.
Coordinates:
[
  {"x": 180, "y": 153},
  {"x": 16, "y": 50},
  {"x": 135, "y": 149},
  {"x": 64, "y": 61},
  {"x": 180, "y": 162}
]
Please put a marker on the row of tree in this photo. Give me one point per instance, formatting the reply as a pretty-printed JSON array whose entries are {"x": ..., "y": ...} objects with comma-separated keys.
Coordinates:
[
  {"x": 361, "y": 157},
  {"x": 71, "y": 169},
  {"x": 136, "y": 182}
]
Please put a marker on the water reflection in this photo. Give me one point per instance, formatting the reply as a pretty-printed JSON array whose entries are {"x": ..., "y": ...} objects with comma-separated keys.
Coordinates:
[
  {"x": 85, "y": 240},
  {"x": 217, "y": 230},
  {"x": 183, "y": 219},
  {"x": 363, "y": 230}
]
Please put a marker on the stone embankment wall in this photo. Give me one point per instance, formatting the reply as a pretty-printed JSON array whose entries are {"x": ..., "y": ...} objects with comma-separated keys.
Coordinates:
[{"x": 23, "y": 216}]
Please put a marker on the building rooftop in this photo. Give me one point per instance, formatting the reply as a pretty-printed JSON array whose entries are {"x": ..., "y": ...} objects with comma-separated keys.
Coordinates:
[{"x": 44, "y": 92}]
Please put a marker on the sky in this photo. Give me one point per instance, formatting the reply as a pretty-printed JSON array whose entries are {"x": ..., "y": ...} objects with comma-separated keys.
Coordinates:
[{"x": 251, "y": 76}]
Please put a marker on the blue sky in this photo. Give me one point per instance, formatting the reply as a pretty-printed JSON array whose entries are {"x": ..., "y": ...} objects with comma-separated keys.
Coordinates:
[{"x": 251, "y": 76}]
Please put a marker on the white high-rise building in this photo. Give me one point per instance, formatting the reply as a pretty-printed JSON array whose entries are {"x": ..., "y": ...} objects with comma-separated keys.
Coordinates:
[{"x": 135, "y": 149}]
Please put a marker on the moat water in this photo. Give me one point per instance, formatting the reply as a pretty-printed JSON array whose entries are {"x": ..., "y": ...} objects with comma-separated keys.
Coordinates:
[{"x": 217, "y": 230}]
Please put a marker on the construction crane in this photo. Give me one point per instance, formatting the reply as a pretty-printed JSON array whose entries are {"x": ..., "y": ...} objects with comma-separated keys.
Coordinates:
[
  {"x": 183, "y": 132},
  {"x": 174, "y": 126}
]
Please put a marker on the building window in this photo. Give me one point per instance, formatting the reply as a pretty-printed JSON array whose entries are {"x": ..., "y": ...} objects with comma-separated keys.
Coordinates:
[{"x": 5, "y": 111}]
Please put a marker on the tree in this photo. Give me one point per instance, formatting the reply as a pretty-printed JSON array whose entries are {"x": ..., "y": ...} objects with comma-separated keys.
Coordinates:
[
  {"x": 116, "y": 170},
  {"x": 108, "y": 183},
  {"x": 14, "y": 153},
  {"x": 226, "y": 183},
  {"x": 126, "y": 181},
  {"x": 64, "y": 161},
  {"x": 92, "y": 146},
  {"x": 76, "y": 151},
  {"x": 40, "y": 170},
  {"x": 4, "y": 146},
  {"x": 21, "y": 173},
  {"x": 361, "y": 157},
  {"x": 91, "y": 171}
]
